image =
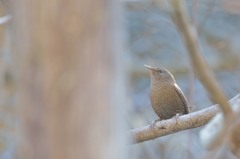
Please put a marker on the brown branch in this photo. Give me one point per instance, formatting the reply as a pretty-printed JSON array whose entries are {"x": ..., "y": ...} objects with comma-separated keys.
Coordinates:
[
  {"x": 166, "y": 127},
  {"x": 170, "y": 126},
  {"x": 189, "y": 36}
]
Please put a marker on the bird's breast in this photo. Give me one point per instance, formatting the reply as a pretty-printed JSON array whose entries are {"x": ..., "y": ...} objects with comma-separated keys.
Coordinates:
[
  {"x": 165, "y": 100},
  {"x": 162, "y": 94}
]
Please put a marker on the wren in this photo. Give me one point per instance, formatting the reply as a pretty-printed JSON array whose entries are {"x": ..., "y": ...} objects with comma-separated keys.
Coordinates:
[{"x": 166, "y": 97}]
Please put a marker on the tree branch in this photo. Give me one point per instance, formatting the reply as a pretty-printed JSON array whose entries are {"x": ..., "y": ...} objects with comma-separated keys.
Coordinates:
[{"x": 166, "y": 127}]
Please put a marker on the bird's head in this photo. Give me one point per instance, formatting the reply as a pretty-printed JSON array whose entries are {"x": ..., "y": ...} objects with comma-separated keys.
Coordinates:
[{"x": 160, "y": 74}]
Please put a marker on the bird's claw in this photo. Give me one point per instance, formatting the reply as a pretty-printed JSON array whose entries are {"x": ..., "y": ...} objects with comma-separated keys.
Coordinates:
[
  {"x": 176, "y": 116},
  {"x": 153, "y": 125}
]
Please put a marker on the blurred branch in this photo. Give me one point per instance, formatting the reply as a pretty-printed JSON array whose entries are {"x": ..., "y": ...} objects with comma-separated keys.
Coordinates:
[
  {"x": 214, "y": 128},
  {"x": 170, "y": 126},
  {"x": 5, "y": 19},
  {"x": 189, "y": 36}
]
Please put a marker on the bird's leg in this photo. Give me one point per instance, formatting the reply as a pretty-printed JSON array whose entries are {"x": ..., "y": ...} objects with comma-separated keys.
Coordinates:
[
  {"x": 176, "y": 116},
  {"x": 153, "y": 125}
]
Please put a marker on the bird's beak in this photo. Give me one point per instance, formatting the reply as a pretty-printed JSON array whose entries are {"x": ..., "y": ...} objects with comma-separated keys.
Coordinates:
[{"x": 149, "y": 67}]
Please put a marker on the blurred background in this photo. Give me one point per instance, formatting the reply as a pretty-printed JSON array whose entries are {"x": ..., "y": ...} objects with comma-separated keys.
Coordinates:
[{"x": 152, "y": 38}]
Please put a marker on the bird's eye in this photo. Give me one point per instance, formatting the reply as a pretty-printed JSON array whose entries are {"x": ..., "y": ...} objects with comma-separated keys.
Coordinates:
[{"x": 160, "y": 71}]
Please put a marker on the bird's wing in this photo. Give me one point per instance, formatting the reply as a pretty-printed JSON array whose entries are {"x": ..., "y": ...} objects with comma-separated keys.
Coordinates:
[{"x": 181, "y": 95}]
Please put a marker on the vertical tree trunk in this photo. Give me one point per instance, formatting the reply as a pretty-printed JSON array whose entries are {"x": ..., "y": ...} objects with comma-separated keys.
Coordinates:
[{"x": 69, "y": 79}]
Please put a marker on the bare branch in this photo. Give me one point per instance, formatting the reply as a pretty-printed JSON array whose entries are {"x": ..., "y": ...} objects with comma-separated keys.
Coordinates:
[{"x": 166, "y": 127}]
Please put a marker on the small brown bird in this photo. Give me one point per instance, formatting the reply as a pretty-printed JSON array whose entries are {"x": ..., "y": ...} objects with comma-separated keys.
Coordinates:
[{"x": 166, "y": 97}]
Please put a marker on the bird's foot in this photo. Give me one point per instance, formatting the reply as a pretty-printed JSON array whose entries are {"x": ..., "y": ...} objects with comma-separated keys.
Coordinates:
[
  {"x": 153, "y": 125},
  {"x": 176, "y": 117}
]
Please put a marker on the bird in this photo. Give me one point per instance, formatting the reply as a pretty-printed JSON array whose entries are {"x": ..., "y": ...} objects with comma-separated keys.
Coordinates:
[{"x": 167, "y": 99}]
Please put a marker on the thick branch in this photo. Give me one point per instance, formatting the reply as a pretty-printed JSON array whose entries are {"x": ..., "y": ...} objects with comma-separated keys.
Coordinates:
[
  {"x": 189, "y": 121},
  {"x": 166, "y": 127}
]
